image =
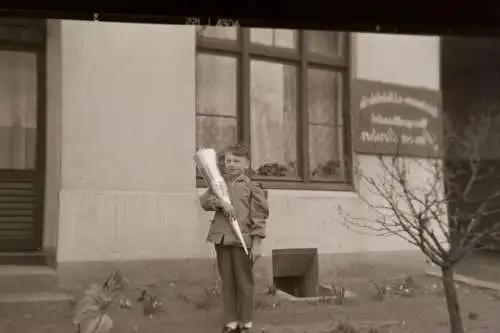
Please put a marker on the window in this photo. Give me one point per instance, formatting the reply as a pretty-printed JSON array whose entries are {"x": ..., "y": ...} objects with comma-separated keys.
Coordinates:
[
  {"x": 282, "y": 92},
  {"x": 22, "y": 133}
]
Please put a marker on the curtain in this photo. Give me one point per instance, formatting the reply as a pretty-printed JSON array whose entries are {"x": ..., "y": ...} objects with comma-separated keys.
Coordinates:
[{"x": 18, "y": 108}]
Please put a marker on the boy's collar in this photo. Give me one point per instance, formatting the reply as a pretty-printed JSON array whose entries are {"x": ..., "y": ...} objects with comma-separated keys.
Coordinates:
[{"x": 234, "y": 178}]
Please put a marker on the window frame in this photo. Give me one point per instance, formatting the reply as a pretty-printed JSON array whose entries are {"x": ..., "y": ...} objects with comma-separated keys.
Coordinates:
[
  {"x": 35, "y": 175},
  {"x": 245, "y": 51}
]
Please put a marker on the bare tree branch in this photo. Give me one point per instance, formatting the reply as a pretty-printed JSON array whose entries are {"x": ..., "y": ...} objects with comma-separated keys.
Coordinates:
[{"x": 446, "y": 212}]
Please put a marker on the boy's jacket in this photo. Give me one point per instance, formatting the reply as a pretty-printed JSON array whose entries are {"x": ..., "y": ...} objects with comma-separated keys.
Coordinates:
[{"x": 252, "y": 209}]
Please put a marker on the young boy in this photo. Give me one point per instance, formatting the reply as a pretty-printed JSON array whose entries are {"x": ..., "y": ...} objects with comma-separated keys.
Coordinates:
[{"x": 250, "y": 207}]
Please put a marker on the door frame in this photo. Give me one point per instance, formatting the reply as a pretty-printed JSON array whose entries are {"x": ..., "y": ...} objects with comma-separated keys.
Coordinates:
[{"x": 39, "y": 49}]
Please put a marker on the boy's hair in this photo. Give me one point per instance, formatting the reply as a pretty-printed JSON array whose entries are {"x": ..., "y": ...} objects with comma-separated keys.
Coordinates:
[{"x": 240, "y": 150}]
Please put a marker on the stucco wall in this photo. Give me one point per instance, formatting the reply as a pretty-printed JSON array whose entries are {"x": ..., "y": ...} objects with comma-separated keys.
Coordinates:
[
  {"x": 128, "y": 134},
  {"x": 128, "y": 137}
]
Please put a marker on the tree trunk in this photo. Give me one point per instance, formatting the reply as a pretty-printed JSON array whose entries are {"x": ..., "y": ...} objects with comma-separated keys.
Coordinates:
[{"x": 452, "y": 303}]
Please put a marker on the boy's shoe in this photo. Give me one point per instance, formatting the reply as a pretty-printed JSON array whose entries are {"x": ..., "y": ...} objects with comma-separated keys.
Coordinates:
[
  {"x": 228, "y": 329},
  {"x": 245, "y": 328}
]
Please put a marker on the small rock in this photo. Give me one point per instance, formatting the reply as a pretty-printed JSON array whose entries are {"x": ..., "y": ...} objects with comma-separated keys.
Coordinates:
[{"x": 125, "y": 304}]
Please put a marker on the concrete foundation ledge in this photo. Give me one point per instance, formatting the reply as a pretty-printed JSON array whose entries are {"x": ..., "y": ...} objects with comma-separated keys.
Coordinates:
[
  {"x": 349, "y": 295},
  {"x": 332, "y": 267},
  {"x": 39, "y": 297}
]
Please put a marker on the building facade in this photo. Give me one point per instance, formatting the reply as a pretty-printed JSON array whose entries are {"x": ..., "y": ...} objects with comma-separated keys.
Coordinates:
[{"x": 120, "y": 108}]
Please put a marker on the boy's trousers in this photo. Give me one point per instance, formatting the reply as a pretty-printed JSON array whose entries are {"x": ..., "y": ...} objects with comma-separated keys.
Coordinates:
[{"x": 235, "y": 270}]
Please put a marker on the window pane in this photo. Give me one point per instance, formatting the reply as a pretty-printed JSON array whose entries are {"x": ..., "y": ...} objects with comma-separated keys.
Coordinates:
[
  {"x": 215, "y": 132},
  {"x": 216, "y": 84},
  {"x": 325, "y": 42},
  {"x": 18, "y": 108},
  {"x": 273, "y": 119},
  {"x": 216, "y": 101},
  {"x": 274, "y": 37},
  {"x": 230, "y": 33},
  {"x": 324, "y": 96},
  {"x": 325, "y": 105}
]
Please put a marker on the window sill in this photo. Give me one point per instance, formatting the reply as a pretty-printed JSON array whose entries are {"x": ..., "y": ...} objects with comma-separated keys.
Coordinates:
[{"x": 289, "y": 185}]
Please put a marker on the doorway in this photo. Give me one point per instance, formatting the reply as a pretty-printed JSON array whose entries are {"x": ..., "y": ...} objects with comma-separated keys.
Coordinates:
[
  {"x": 22, "y": 134},
  {"x": 470, "y": 83}
]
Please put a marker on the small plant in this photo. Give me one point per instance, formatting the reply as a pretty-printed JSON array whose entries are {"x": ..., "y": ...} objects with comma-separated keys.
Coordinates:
[
  {"x": 339, "y": 293},
  {"x": 91, "y": 311},
  {"x": 150, "y": 302},
  {"x": 408, "y": 288},
  {"x": 381, "y": 291},
  {"x": 409, "y": 282}
]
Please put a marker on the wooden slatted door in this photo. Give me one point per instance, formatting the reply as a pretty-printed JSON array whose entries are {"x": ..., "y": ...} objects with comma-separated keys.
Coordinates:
[
  {"x": 18, "y": 211},
  {"x": 22, "y": 100}
]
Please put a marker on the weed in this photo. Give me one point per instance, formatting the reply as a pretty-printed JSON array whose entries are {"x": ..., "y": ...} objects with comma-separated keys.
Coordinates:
[
  {"x": 381, "y": 291},
  {"x": 91, "y": 311},
  {"x": 339, "y": 293},
  {"x": 150, "y": 302},
  {"x": 409, "y": 282},
  {"x": 407, "y": 288}
]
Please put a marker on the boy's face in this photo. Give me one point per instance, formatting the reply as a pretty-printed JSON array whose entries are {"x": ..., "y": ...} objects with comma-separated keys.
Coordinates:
[{"x": 235, "y": 165}]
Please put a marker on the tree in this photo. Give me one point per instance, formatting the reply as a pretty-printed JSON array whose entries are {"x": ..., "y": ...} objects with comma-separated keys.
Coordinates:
[{"x": 448, "y": 211}]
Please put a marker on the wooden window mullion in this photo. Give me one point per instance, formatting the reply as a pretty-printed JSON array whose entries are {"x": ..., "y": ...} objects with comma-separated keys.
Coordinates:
[
  {"x": 245, "y": 87},
  {"x": 346, "y": 110},
  {"x": 303, "y": 119}
]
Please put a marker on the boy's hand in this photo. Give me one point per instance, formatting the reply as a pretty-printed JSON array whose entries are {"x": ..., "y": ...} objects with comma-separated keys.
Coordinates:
[
  {"x": 228, "y": 209},
  {"x": 255, "y": 252},
  {"x": 218, "y": 204}
]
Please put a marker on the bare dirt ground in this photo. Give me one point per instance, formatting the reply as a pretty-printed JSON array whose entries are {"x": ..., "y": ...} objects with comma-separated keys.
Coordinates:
[{"x": 193, "y": 308}]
